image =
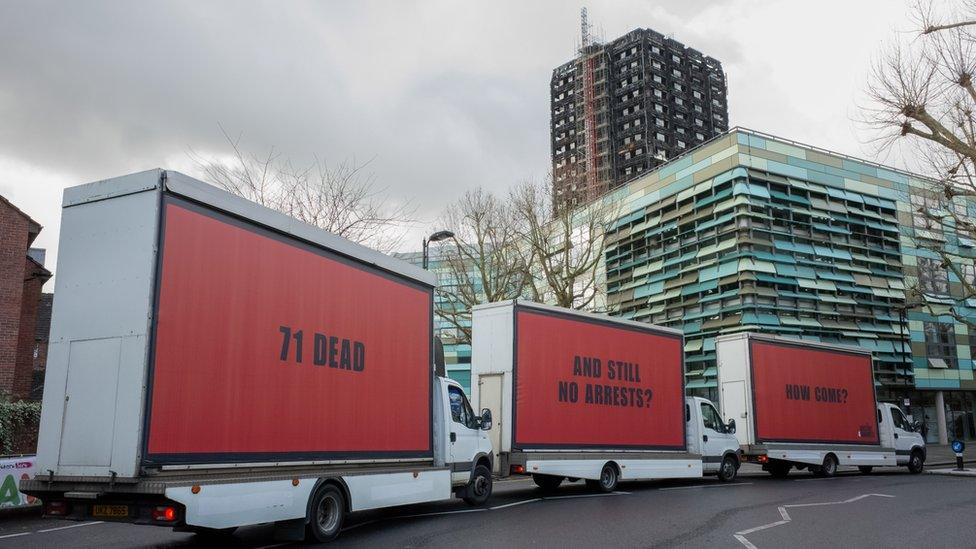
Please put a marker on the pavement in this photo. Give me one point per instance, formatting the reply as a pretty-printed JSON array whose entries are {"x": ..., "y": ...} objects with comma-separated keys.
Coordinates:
[
  {"x": 887, "y": 507},
  {"x": 967, "y": 472},
  {"x": 942, "y": 454}
]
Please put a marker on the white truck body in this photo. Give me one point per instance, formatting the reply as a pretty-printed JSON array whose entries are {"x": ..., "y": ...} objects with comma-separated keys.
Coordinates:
[
  {"x": 897, "y": 439},
  {"x": 493, "y": 356},
  {"x": 91, "y": 442}
]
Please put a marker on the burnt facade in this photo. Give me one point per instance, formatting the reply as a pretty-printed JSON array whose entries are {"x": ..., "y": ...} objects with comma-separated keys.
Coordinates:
[{"x": 621, "y": 108}]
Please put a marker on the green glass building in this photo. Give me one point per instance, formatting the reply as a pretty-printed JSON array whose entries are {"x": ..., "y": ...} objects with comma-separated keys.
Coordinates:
[
  {"x": 457, "y": 350},
  {"x": 754, "y": 232}
]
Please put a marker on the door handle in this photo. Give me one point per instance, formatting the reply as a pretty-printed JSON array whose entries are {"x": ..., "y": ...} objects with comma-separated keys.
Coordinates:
[
  {"x": 704, "y": 438},
  {"x": 453, "y": 437},
  {"x": 896, "y": 435}
]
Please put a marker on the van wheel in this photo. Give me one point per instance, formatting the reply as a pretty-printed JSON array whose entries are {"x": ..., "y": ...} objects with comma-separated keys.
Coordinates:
[
  {"x": 608, "y": 479},
  {"x": 479, "y": 490},
  {"x": 865, "y": 469},
  {"x": 829, "y": 467},
  {"x": 326, "y": 514},
  {"x": 728, "y": 470},
  {"x": 915, "y": 462},
  {"x": 547, "y": 482}
]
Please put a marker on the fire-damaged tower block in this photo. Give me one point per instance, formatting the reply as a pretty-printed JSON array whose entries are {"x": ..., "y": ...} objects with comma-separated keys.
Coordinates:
[{"x": 623, "y": 107}]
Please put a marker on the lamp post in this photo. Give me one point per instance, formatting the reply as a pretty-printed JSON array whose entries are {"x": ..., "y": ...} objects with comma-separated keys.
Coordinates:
[{"x": 436, "y": 237}]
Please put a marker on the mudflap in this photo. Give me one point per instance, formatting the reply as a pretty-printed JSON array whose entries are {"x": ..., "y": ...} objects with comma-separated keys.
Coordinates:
[{"x": 290, "y": 530}]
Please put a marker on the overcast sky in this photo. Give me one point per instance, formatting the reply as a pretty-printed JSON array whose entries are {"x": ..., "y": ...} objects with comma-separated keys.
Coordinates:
[{"x": 445, "y": 95}]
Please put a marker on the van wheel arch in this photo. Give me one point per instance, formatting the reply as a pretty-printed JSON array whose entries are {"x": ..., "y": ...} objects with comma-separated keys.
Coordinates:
[
  {"x": 599, "y": 484},
  {"x": 480, "y": 459},
  {"x": 730, "y": 475},
  {"x": 335, "y": 481}
]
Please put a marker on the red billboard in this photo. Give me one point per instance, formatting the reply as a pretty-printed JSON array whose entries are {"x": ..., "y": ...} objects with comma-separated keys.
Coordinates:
[
  {"x": 268, "y": 348},
  {"x": 807, "y": 394},
  {"x": 589, "y": 383}
]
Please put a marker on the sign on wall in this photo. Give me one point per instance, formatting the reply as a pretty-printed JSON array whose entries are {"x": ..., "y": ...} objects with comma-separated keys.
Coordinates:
[{"x": 12, "y": 471}]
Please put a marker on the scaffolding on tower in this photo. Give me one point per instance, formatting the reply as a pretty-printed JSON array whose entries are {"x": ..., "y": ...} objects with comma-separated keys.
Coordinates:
[{"x": 587, "y": 63}]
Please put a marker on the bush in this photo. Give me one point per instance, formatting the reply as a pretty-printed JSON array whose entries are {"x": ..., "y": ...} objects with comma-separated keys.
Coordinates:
[{"x": 17, "y": 420}]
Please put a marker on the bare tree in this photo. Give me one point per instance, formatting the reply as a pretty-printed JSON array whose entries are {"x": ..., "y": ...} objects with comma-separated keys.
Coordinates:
[
  {"x": 563, "y": 247},
  {"x": 482, "y": 260},
  {"x": 341, "y": 198},
  {"x": 923, "y": 98}
]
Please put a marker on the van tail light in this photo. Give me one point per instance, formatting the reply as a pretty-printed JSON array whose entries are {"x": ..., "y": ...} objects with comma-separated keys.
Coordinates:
[
  {"x": 518, "y": 469},
  {"x": 762, "y": 459},
  {"x": 56, "y": 508},
  {"x": 164, "y": 513}
]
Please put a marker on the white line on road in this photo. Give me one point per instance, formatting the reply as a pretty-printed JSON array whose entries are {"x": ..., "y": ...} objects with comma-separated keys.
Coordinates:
[
  {"x": 14, "y": 535},
  {"x": 827, "y": 478},
  {"x": 706, "y": 486},
  {"x": 585, "y": 496},
  {"x": 438, "y": 513},
  {"x": 741, "y": 536},
  {"x": 79, "y": 525},
  {"x": 516, "y": 503}
]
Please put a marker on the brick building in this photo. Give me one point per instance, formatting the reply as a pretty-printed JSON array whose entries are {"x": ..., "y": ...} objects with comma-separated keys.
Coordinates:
[{"x": 21, "y": 279}]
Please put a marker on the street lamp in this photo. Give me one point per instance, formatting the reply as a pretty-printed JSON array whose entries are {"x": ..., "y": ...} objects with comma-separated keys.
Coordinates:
[{"x": 436, "y": 237}]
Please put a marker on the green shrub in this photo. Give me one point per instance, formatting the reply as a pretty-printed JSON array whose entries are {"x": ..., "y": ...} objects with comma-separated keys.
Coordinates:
[{"x": 15, "y": 417}]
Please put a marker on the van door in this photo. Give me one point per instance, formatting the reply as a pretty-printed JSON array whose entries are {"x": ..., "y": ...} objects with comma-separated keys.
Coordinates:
[
  {"x": 904, "y": 436},
  {"x": 463, "y": 435},
  {"x": 90, "y": 403},
  {"x": 715, "y": 437},
  {"x": 490, "y": 394}
]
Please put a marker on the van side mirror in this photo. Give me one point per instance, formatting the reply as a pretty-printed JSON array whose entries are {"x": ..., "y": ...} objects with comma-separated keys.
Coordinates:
[
  {"x": 486, "y": 419},
  {"x": 916, "y": 426},
  {"x": 440, "y": 369},
  {"x": 731, "y": 426}
]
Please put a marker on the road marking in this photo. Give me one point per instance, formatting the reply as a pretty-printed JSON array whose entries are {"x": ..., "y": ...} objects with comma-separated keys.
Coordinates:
[
  {"x": 14, "y": 535},
  {"x": 438, "y": 513},
  {"x": 825, "y": 478},
  {"x": 479, "y": 510},
  {"x": 741, "y": 535},
  {"x": 79, "y": 525},
  {"x": 706, "y": 486},
  {"x": 516, "y": 503},
  {"x": 585, "y": 496}
]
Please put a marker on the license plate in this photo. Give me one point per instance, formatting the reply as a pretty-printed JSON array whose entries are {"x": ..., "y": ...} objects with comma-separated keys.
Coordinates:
[{"x": 111, "y": 511}]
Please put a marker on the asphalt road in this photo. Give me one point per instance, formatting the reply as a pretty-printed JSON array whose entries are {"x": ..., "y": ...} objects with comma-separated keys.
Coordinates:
[{"x": 882, "y": 509}]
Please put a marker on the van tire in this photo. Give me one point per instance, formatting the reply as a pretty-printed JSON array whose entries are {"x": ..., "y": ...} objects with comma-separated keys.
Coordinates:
[
  {"x": 608, "y": 479},
  {"x": 479, "y": 490},
  {"x": 547, "y": 482},
  {"x": 865, "y": 469},
  {"x": 326, "y": 514},
  {"x": 728, "y": 470},
  {"x": 829, "y": 467},
  {"x": 916, "y": 462}
]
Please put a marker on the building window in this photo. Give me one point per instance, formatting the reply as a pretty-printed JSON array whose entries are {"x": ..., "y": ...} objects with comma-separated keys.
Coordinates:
[
  {"x": 922, "y": 207},
  {"x": 932, "y": 277},
  {"x": 968, "y": 274},
  {"x": 940, "y": 344}
]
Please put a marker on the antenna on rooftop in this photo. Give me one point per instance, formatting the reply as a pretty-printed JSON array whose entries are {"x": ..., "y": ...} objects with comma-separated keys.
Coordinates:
[{"x": 584, "y": 30}]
